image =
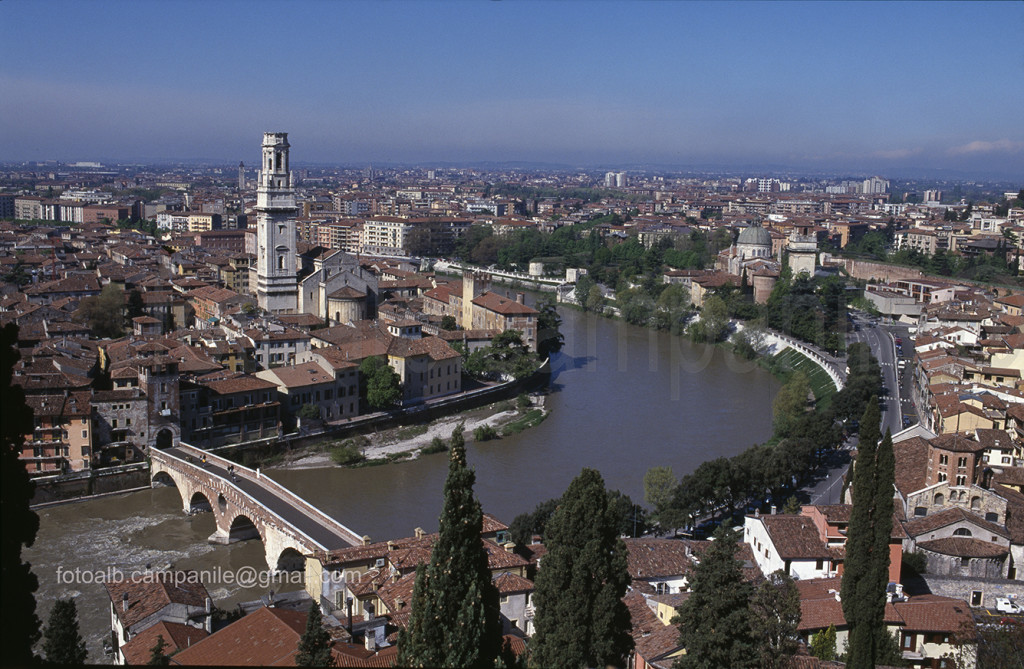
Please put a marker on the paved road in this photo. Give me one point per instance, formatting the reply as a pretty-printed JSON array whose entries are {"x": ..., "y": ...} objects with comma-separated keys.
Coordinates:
[{"x": 297, "y": 518}]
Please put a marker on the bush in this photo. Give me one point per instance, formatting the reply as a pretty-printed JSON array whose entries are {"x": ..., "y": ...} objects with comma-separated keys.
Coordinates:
[
  {"x": 523, "y": 401},
  {"x": 485, "y": 433},
  {"x": 915, "y": 561},
  {"x": 437, "y": 445},
  {"x": 346, "y": 454}
]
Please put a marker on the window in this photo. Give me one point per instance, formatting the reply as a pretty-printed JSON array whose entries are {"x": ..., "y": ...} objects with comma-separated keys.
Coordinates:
[
  {"x": 943, "y": 459},
  {"x": 961, "y": 480},
  {"x": 961, "y": 462},
  {"x": 504, "y": 599},
  {"x": 942, "y": 477},
  {"x": 962, "y": 532},
  {"x": 920, "y": 511},
  {"x": 819, "y": 565},
  {"x": 992, "y": 517},
  {"x": 976, "y": 598},
  {"x": 85, "y": 434}
]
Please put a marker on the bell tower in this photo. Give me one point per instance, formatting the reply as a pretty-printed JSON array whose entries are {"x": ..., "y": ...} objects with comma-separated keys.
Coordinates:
[{"x": 277, "y": 288}]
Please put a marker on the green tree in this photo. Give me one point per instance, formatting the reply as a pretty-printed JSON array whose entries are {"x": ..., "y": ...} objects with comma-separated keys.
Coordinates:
[
  {"x": 449, "y": 323},
  {"x": 823, "y": 644},
  {"x": 315, "y": 644},
  {"x": 104, "y": 313},
  {"x": 157, "y": 657},
  {"x": 790, "y": 404},
  {"x": 581, "y": 620},
  {"x": 866, "y": 570},
  {"x": 659, "y": 486},
  {"x": 136, "y": 305},
  {"x": 595, "y": 300},
  {"x": 455, "y": 620},
  {"x": 62, "y": 642},
  {"x": 775, "y": 609},
  {"x": 715, "y": 621},
  {"x": 383, "y": 386},
  {"x": 20, "y": 622},
  {"x": 582, "y": 290},
  {"x": 309, "y": 412},
  {"x": 549, "y": 327}
]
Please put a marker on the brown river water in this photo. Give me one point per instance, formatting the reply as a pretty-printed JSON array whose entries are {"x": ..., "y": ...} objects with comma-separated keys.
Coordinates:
[{"x": 623, "y": 399}]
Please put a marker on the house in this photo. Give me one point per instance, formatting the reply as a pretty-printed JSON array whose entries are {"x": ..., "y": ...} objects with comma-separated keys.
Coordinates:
[
  {"x": 331, "y": 386},
  {"x": 148, "y": 599},
  {"x": 176, "y": 636},
  {"x": 270, "y": 636},
  {"x": 229, "y": 409},
  {"x": 61, "y": 440}
]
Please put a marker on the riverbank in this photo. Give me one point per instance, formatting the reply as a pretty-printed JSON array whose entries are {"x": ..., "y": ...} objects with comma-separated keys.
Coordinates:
[{"x": 408, "y": 442}]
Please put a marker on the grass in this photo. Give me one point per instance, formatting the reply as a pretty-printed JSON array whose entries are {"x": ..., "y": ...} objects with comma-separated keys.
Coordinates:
[
  {"x": 821, "y": 384},
  {"x": 531, "y": 418},
  {"x": 410, "y": 432}
]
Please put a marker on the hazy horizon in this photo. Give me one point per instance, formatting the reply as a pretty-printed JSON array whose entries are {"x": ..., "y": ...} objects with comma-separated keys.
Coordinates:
[{"x": 818, "y": 87}]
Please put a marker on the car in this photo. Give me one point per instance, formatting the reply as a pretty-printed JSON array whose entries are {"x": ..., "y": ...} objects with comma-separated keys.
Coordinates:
[{"x": 1007, "y": 605}]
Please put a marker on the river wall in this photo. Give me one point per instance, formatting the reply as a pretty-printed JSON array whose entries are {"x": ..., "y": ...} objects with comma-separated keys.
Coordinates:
[
  {"x": 252, "y": 452},
  {"x": 876, "y": 271},
  {"x": 69, "y": 487}
]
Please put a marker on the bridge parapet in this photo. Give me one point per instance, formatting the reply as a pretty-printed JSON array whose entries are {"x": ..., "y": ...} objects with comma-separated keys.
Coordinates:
[{"x": 278, "y": 489}]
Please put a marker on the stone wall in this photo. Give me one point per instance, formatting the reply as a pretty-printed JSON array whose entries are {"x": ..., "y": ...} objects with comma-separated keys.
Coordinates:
[
  {"x": 962, "y": 587},
  {"x": 95, "y": 482},
  {"x": 876, "y": 271}
]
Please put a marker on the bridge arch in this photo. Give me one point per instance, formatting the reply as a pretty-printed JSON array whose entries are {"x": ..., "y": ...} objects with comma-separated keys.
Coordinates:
[
  {"x": 199, "y": 502},
  {"x": 243, "y": 528},
  {"x": 290, "y": 559},
  {"x": 162, "y": 478}
]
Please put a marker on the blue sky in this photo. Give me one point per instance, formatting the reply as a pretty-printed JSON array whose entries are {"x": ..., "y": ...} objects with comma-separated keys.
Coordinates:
[{"x": 863, "y": 85}]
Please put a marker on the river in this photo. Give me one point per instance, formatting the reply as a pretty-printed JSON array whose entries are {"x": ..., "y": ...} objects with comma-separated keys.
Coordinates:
[{"x": 623, "y": 399}]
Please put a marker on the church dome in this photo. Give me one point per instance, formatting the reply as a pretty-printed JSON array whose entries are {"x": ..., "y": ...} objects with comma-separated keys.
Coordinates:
[{"x": 755, "y": 235}]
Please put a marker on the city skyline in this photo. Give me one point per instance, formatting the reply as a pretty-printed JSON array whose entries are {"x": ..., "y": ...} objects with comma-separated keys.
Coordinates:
[{"x": 833, "y": 86}]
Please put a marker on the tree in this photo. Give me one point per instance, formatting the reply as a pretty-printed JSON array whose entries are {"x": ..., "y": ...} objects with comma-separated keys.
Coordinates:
[
  {"x": 315, "y": 644},
  {"x": 104, "y": 313},
  {"x": 715, "y": 621},
  {"x": 309, "y": 412},
  {"x": 549, "y": 333},
  {"x": 136, "y": 305},
  {"x": 383, "y": 387},
  {"x": 595, "y": 300},
  {"x": 582, "y": 291},
  {"x": 866, "y": 571},
  {"x": 157, "y": 658},
  {"x": 790, "y": 404},
  {"x": 62, "y": 642},
  {"x": 659, "y": 484},
  {"x": 823, "y": 645},
  {"x": 20, "y": 523},
  {"x": 775, "y": 609},
  {"x": 455, "y": 620},
  {"x": 449, "y": 323},
  {"x": 581, "y": 620}
]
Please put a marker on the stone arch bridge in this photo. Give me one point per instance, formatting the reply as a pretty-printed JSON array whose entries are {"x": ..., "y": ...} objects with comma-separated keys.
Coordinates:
[{"x": 249, "y": 506}]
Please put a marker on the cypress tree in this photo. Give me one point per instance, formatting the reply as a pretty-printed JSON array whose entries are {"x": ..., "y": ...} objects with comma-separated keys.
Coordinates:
[
  {"x": 20, "y": 622},
  {"x": 315, "y": 643},
  {"x": 866, "y": 566},
  {"x": 62, "y": 642},
  {"x": 157, "y": 657},
  {"x": 455, "y": 620},
  {"x": 581, "y": 619},
  {"x": 715, "y": 621}
]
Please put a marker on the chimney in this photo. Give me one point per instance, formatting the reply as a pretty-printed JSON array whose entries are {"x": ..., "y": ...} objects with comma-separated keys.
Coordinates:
[
  {"x": 391, "y": 545},
  {"x": 773, "y": 509},
  {"x": 209, "y": 616},
  {"x": 370, "y": 641},
  {"x": 418, "y": 532},
  {"x": 521, "y": 298},
  {"x": 366, "y": 540},
  {"x": 510, "y": 546},
  {"x": 124, "y": 602}
]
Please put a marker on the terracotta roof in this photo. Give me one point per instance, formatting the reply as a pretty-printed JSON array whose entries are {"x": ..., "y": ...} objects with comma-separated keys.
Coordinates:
[
  {"x": 657, "y": 558},
  {"x": 932, "y": 613},
  {"x": 508, "y": 583},
  {"x": 150, "y": 593},
  {"x": 964, "y": 547},
  {"x": 176, "y": 636},
  {"x": 653, "y": 639},
  {"x": 795, "y": 537},
  {"x": 502, "y": 305},
  {"x": 911, "y": 456},
  {"x": 920, "y": 526},
  {"x": 265, "y": 637}
]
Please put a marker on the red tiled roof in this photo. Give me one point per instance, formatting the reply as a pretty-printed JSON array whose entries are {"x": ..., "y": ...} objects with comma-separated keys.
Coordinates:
[{"x": 151, "y": 593}]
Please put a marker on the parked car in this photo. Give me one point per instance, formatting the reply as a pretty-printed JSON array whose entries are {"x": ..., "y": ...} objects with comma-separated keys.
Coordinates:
[{"x": 1007, "y": 605}]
